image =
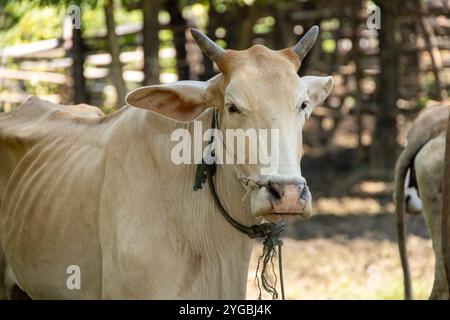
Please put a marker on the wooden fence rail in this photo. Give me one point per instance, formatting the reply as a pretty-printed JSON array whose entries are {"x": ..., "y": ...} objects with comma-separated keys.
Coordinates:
[{"x": 356, "y": 71}]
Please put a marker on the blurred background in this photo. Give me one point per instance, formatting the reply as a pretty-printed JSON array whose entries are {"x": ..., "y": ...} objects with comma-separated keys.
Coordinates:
[{"x": 389, "y": 59}]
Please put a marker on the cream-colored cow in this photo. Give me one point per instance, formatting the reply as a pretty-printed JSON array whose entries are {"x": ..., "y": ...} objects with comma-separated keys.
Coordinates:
[
  {"x": 424, "y": 154},
  {"x": 102, "y": 193}
]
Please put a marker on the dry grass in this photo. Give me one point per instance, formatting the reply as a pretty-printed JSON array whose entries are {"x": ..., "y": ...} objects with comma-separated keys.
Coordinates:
[
  {"x": 349, "y": 269},
  {"x": 348, "y": 250}
]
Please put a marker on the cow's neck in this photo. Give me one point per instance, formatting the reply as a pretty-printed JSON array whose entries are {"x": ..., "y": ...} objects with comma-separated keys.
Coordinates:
[
  {"x": 230, "y": 248},
  {"x": 201, "y": 234}
]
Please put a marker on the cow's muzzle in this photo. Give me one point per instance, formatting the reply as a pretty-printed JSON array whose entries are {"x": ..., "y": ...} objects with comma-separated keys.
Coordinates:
[{"x": 274, "y": 196}]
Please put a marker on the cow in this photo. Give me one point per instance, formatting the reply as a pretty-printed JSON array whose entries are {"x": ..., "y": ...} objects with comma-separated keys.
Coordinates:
[
  {"x": 101, "y": 195},
  {"x": 423, "y": 159}
]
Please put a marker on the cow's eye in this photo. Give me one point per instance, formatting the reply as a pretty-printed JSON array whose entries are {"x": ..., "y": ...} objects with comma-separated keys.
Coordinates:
[
  {"x": 304, "y": 105},
  {"x": 233, "y": 109}
]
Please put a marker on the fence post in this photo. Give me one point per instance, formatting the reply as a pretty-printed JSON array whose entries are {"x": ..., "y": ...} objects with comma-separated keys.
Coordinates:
[{"x": 75, "y": 49}]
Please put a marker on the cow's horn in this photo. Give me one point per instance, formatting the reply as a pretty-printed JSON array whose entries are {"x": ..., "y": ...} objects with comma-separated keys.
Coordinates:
[
  {"x": 212, "y": 50},
  {"x": 306, "y": 42}
]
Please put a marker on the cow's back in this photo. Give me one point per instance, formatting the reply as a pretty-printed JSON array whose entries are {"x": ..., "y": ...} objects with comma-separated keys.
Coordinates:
[
  {"x": 32, "y": 122},
  {"x": 431, "y": 119},
  {"x": 50, "y": 181}
]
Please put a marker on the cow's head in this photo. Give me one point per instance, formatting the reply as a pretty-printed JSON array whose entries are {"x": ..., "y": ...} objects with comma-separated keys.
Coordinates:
[{"x": 257, "y": 88}]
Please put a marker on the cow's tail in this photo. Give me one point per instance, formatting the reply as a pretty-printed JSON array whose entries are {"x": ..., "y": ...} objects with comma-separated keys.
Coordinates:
[
  {"x": 404, "y": 162},
  {"x": 401, "y": 167}
]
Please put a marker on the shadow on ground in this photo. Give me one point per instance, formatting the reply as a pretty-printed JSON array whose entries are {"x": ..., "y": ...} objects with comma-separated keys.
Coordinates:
[{"x": 370, "y": 226}]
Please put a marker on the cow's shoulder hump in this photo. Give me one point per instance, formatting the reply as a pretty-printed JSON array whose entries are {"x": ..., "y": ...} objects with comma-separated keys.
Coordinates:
[{"x": 36, "y": 118}]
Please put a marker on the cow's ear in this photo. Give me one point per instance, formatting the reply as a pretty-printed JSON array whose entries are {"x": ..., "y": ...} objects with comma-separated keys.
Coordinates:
[
  {"x": 181, "y": 101},
  {"x": 318, "y": 88}
]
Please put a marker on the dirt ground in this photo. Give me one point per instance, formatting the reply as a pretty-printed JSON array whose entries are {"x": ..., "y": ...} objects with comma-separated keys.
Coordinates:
[
  {"x": 348, "y": 249},
  {"x": 349, "y": 269},
  {"x": 350, "y": 256}
]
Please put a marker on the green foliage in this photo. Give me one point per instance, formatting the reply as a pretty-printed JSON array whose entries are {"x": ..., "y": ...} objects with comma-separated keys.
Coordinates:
[
  {"x": 164, "y": 17},
  {"x": 328, "y": 43},
  {"x": 264, "y": 25},
  {"x": 93, "y": 18},
  {"x": 330, "y": 24},
  {"x": 422, "y": 102},
  {"x": 22, "y": 22},
  {"x": 430, "y": 86},
  {"x": 165, "y": 35},
  {"x": 222, "y": 43}
]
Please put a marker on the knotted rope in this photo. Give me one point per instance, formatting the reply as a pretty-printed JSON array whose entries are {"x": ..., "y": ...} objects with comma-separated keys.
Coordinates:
[{"x": 270, "y": 232}]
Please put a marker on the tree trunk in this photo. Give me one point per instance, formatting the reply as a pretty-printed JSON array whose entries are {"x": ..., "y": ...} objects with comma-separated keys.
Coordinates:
[
  {"x": 207, "y": 63},
  {"x": 310, "y": 61},
  {"x": 114, "y": 50},
  {"x": 383, "y": 149},
  {"x": 179, "y": 26},
  {"x": 75, "y": 48},
  {"x": 150, "y": 10},
  {"x": 78, "y": 56},
  {"x": 432, "y": 48},
  {"x": 245, "y": 36},
  {"x": 356, "y": 56},
  {"x": 283, "y": 36},
  {"x": 240, "y": 22}
]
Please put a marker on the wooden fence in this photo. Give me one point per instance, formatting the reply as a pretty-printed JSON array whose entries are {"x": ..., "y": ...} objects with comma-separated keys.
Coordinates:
[{"x": 347, "y": 49}]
